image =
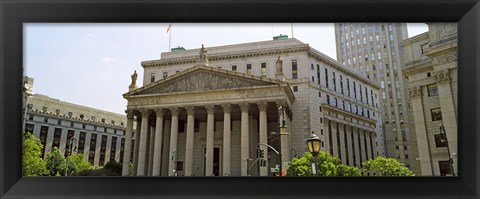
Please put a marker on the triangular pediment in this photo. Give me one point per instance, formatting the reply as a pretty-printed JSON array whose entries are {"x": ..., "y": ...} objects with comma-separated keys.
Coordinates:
[{"x": 203, "y": 78}]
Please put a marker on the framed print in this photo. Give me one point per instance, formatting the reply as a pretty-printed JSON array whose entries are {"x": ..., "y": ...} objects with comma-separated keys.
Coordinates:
[{"x": 202, "y": 94}]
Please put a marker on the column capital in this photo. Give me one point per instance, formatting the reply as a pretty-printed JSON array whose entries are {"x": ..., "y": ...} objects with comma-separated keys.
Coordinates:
[
  {"x": 415, "y": 92},
  {"x": 190, "y": 110},
  {"x": 174, "y": 111},
  {"x": 210, "y": 108},
  {"x": 244, "y": 106},
  {"x": 281, "y": 103},
  {"x": 441, "y": 76},
  {"x": 145, "y": 112},
  {"x": 262, "y": 106},
  {"x": 227, "y": 107},
  {"x": 159, "y": 112},
  {"x": 129, "y": 113}
]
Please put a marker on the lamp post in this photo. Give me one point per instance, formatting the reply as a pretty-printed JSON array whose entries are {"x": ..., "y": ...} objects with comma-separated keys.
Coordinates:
[
  {"x": 72, "y": 141},
  {"x": 443, "y": 138},
  {"x": 313, "y": 143}
]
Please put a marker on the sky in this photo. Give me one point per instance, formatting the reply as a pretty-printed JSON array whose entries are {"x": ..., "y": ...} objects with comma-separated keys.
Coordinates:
[{"x": 90, "y": 64}]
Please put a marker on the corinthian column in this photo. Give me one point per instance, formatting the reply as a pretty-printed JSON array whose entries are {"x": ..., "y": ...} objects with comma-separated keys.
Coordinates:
[
  {"x": 157, "y": 156},
  {"x": 244, "y": 107},
  {"x": 209, "y": 153},
  {"x": 226, "y": 138},
  {"x": 173, "y": 141},
  {"x": 143, "y": 144},
  {"x": 128, "y": 144},
  {"x": 262, "y": 107},
  {"x": 189, "y": 140}
]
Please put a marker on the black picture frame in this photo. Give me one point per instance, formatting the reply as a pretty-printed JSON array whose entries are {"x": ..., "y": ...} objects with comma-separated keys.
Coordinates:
[{"x": 15, "y": 12}]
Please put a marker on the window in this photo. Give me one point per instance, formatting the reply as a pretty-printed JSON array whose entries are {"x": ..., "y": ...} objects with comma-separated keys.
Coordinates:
[
  {"x": 179, "y": 166},
  {"x": 334, "y": 82},
  {"x": 234, "y": 68},
  {"x": 326, "y": 77},
  {"x": 436, "y": 114},
  {"x": 328, "y": 99},
  {"x": 295, "y": 88},
  {"x": 165, "y": 74},
  {"x": 440, "y": 141},
  {"x": 264, "y": 69},
  {"x": 152, "y": 77},
  {"x": 249, "y": 68},
  {"x": 424, "y": 47},
  {"x": 294, "y": 69},
  {"x": 432, "y": 90},
  {"x": 405, "y": 148},
  {"x": 334, "y": 103},
  {"x": 429, "y": 74},
  {"x": 348, "y": 86},
  {"x": 355, "y": 90},
  {"x": 444, "y": 168}
]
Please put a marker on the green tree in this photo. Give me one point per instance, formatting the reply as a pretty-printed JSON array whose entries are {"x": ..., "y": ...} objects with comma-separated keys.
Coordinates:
[
  {"x": 111, "y": 168},
  {"x": 76, "y": 164},
  {"x": 327, "y": 166},
  {"x": 382, "y": 166},
  {"x": 55, "y": 162},
  {"x": 33, "y": 164}
]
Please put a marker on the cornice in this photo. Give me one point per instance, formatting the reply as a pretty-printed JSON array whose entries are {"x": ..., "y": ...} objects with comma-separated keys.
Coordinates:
[
  {"x": 77, "y": 119},
  {"x": 358, "y": 117},
  {"x": 226, "y": 56},
  {"x": 335, "y": 64}
]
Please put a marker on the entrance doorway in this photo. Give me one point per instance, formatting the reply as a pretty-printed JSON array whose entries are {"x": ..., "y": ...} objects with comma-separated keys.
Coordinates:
[{"x": 216, "y": 161}]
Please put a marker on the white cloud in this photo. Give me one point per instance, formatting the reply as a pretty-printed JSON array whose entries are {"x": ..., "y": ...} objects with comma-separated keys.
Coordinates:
[{"x": 107, "y": 59}]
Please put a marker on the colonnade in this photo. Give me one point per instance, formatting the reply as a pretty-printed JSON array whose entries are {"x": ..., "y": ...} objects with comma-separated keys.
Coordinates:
[
  {"x": 351, "y": 143},
  {"x": 147, "y": 160}
]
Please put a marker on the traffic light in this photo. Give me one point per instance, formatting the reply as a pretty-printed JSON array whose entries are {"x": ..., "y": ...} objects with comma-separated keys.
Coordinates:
[
  {"x": 260, "y": 153},
  {"x": 263, "y": 162}
]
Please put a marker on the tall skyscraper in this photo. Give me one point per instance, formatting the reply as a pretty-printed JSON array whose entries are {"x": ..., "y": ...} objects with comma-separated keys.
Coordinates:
[{"x": 374, "y": 49}]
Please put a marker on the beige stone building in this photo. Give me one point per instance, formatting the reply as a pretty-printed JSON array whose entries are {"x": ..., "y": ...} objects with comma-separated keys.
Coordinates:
[
  {"x": 204, "y": 114},
  {"x": 99, "y": 134},
  {"x": 431, "y": 69},
  {"x": 374, "y": 50}
]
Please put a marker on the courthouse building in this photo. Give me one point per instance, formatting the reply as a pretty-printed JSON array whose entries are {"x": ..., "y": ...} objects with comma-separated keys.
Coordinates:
[
  {"x": 431, "y": 70},
  {"x": 204, "y": 114},
  {"x": 99, "y": 134}
]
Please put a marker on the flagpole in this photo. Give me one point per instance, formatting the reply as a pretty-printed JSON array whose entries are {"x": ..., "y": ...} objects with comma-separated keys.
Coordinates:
[
  {"x": 169, "y": 37},
  {"x": 292, "y": 29}
]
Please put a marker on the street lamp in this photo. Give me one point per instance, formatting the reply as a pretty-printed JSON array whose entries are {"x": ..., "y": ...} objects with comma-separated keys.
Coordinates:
[
  {"x": 443, "y": 138},
  {"x": 313, "y": 143},
  {"x": 69, "y": 151}
]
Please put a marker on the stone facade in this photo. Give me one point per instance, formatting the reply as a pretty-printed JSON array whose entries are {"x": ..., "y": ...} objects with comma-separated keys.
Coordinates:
[
  {"x": 374, "y": 49},
  {"x": 431, "y": 70},
  {"x": 235, "y": 103},
  {"x": 99, "y": 134}
]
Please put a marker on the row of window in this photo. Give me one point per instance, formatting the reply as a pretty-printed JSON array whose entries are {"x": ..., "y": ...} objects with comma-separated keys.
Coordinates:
[
  {"x": 349, "y": 107},
  {"x": 70, "y": 114},
  {"x": 59, "y": 122}
]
